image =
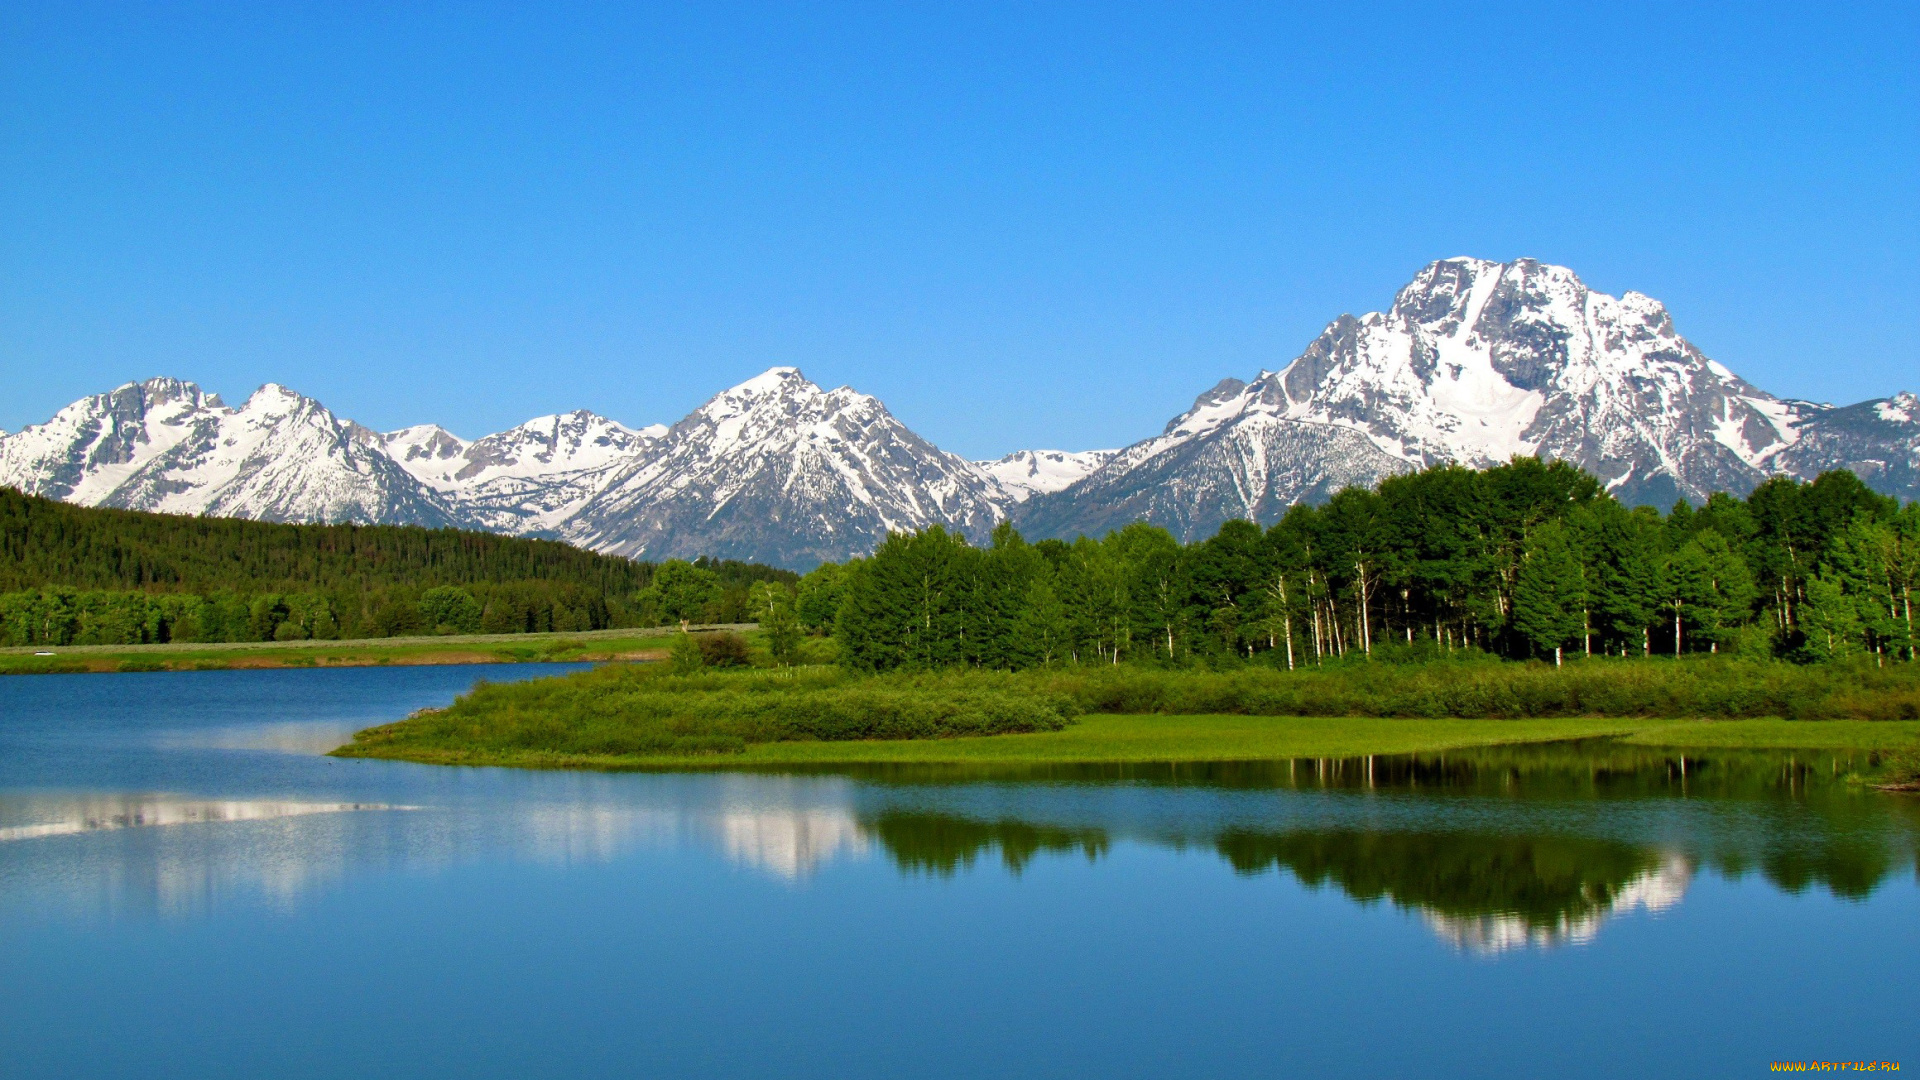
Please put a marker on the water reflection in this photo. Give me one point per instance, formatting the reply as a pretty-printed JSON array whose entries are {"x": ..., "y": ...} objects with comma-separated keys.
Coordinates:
[
  {"x": 790, "y": 844},
  {"x": 1482, "y": 893},
  {"x": 1653, "y": 890},
  {"x": 941, "y": 845},
  {"x": 63, "y": 817},
  {"x": 1493, "y": 851}
]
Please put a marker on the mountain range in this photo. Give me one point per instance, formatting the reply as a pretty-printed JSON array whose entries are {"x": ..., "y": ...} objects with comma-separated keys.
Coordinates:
[{"x": 1475, "y": 361}]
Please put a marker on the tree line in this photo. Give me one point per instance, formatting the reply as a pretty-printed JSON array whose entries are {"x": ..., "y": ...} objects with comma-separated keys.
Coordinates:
[
  {"x": 1524, "y": 560},
  {"x": 72, "y": 575}
]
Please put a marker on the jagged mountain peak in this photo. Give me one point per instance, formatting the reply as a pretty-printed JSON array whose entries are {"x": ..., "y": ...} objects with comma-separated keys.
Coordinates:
[
  {"x": 1026, "y": 473},
  {"x": 1475, "y": 361},
  {"x": 1901, "y": 408},
  {"x": 778, "y": 468},
  {"x": 1472, "y": 361}
]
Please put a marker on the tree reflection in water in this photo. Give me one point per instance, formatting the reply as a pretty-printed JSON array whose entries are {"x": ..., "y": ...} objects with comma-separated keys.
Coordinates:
[{"x": 1522, "y": 883}]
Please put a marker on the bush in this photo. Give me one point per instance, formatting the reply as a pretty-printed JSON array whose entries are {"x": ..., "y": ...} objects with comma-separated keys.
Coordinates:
[
  {"x": 685, "y": 655},
  {"x": 722, "y": 650},
  {"x": 1474, "y": 688}
]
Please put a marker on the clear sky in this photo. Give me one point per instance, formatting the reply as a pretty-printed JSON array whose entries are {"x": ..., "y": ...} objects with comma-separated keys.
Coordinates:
[{"x": 1030, "y": 225}]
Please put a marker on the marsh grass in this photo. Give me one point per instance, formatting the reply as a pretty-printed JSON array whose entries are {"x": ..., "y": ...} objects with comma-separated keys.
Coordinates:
[
  {"x": 628, "y": 711},
  {"x": 623, "y": 715},
  {"x": 1704, "y": 688}
]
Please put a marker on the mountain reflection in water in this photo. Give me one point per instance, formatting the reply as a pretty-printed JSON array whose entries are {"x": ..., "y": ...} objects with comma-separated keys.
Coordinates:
[
  {"x": 62, "y": 817},
  {"x": 1494, "y": 850}
]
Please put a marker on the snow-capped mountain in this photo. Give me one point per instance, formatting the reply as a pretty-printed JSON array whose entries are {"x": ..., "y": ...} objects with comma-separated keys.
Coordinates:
[
  {"x": 527, "y": 480},
  {"x": 1475, "y": 362},
  {"x": 1878, "y": 441},
  {"x": 1025, "y": 473},
  {"x": 163, "y": 445},
  {"x": 779, "y": 470}
]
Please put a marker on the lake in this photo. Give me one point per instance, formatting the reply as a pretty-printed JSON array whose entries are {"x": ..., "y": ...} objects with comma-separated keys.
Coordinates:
[{"x": 188, "y": 888}]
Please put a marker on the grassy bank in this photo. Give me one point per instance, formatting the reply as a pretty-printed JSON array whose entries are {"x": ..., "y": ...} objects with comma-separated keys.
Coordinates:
[
  {"x": 643, "y": 718},
  {"x": 1108, "y": 739},
  {"x": 1703, "y": 687},
  {"x": 592, "y": 645}
]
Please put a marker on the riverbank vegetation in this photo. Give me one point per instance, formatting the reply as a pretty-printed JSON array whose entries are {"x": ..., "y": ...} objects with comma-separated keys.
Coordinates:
[
  {"x": 623, "y": 716},
  {"x": 624, "y": 712},
  {"x": 72, "y": 575},
  {"x": 637, "y": 644}
]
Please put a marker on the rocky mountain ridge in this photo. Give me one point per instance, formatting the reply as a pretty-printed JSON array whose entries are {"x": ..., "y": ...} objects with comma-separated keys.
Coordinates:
[
  {"x": 1477, "y": 361},
  {"x": 1473, "y": 362}
]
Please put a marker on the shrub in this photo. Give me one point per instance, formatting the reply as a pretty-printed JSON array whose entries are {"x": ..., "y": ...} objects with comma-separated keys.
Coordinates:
[
  {"x": 685, "y": 656},
  {"x": 724, "y": 649}
]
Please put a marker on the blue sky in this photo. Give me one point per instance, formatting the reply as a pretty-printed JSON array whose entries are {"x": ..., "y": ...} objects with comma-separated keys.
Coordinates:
[{"x": 1018, "y": 225}]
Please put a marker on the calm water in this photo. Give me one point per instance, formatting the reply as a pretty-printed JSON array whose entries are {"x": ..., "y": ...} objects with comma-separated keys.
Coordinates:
[{"x": 187, "y": 888}]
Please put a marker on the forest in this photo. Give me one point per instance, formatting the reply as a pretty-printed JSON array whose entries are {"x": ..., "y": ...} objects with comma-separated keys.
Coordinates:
[
  {"x": 1527, "y": 560},
  {"x": 72, "y": 575}
]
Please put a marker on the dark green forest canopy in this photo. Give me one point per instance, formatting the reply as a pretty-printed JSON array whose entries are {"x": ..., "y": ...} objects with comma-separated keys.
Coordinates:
[
  {"x": 86, "y": 575},
  {"x": 1528, "y": 559}
]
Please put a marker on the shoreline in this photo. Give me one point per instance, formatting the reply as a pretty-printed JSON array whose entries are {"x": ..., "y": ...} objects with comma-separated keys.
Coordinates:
[
  {"x": 581, "y": 646},
  {"x": 1136, "y": 739}
]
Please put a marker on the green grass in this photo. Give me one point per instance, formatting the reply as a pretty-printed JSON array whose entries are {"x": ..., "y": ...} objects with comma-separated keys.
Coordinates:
[
  {"x": 1780, "y": 734},
  {"x": 586, "y": 645},
  {"x": 1108, "y": 739},
  {"x": 635, "y": 717}
]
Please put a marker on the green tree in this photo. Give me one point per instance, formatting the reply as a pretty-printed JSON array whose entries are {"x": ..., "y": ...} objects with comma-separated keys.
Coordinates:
[
  {"x": 449, "y": 609},
  {"x": 778, "y": 621},
  {"x": 820, "y": 593},
  {"x": 681, "y": 592},
  {"x": 1550, "y": 594},
  {"x": 1830, "y": 619},
  {"x": 1041, "y": 630},
  {"x": 1726, "y": 601}
]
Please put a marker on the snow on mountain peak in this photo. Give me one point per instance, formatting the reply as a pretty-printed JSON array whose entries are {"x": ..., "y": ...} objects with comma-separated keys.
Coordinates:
[
  {"x": 778, "y": 466},
  {"x": 1025, "y": 473},
  {"x": 773, "y": 381},
  {"x": 1473, "y": 361},
  {"x": 1477, "y": 361}
]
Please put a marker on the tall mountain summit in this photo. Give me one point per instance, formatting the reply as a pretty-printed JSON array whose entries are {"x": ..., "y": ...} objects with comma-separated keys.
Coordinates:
[
  {"x": 1477, "y": 361},
  {"x": 1474, "y": 362}
]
